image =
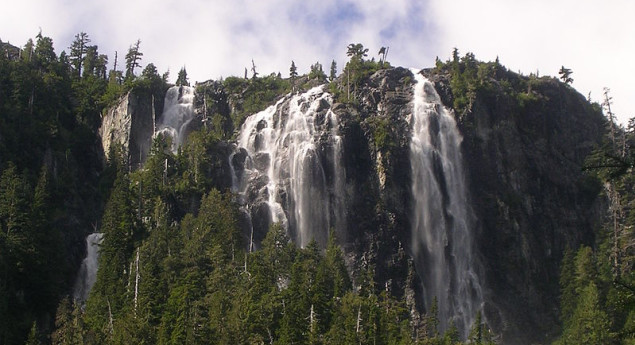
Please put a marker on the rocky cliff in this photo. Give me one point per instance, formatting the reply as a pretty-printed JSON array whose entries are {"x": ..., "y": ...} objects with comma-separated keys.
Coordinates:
[
  {"x": 131, "y": 124},
  {"x": 525, "y": 154},
  {"x": 524, "y": 148},
  {"x": 524, "y": 142}
]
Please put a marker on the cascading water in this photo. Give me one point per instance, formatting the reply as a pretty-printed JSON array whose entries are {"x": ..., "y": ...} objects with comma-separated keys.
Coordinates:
[
  {"x": 177, "y": 114},
  {"x": 294, "y": 163},
  {"x": 88, "y": 270},
  {"x": 441, "y": 238}
]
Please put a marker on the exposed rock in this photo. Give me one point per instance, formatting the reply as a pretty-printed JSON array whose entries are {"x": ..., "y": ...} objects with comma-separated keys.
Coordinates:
[
  {"x": 130, "y": 124},
  {"x": 529, "y": 195},
  {"x": 531, "y": 198}
]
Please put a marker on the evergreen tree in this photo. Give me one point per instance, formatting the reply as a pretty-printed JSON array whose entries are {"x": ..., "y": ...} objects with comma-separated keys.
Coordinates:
[
  {"x": 356, "y": 51},
  {"x": 567, "y": 286},
  {"x": 589, "y": 324},
  {"x": 69, "y": 328},
  {"x": 451, "y": 335},
  {"x": 27, "y": 52},
  {"x": 34, "y": 337},
  {"x": 90, "y": 61},
  {"x": 333, "y": 73},
  {"x": 337, "y": 266},
  {"x": 565, "y": 75},
  {"x": 317, "y": 72},
  {"x": 78, "y": 51},
  {"x": 44, "y": 52},
  {"x": 109, "y": 294},
  {"x": 182, "y": 78},
  {"x": 293, "y": 71},
  {"x": 133, "y": 57}
]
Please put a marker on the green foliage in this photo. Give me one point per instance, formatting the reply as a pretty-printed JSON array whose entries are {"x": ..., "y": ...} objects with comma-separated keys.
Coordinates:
[
  {"x": 356, "y": 51},
  {"x": 78, "y": 51},
  {"x": 333, "y": 71},
  {"x": 384, "y": 136},
  {"x": 182, "y": 78},
  {"x": 480, "y": 334},
  {"x": 471, "y": 79},
  {"x": 565, "y": 75},
  {"x": 588, "y": 324},
  {"x": 256, "y": 94},
  {"x": 598, "y": 286},
  {"x": 356, "y": 71},
  {"x": 50, "y": 164},
  {"x": 34, "y": 336},
  {"x": 133, "y": 58},
  {"x": 317, "y": 72}
]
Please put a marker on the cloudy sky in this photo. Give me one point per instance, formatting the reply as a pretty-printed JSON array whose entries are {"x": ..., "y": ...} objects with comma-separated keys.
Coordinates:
[{"x": 214, "y": 38}]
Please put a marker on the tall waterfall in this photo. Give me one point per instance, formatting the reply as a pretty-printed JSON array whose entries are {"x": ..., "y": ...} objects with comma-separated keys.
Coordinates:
[
  {"x": 294, "y": 165},
  {"x": 177, "y": 114},
  {"x": 441, "y": 238},
  {"x": 88, "y": 270}
]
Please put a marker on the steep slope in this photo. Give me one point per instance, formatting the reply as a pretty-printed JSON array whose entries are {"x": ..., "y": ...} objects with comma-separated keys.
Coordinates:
[{"x": 531, "y": 198}]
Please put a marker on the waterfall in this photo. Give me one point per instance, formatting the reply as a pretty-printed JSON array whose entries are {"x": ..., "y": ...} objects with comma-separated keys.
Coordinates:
[
  {"x": 177, "y": 114},
  {"x": 88, "y": 270},
  {"x": 293, "y": 164},
  {"x": 441, "y": 218}
]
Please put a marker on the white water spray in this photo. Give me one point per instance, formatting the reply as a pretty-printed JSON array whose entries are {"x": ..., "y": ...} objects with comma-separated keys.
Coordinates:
[
  {"x": 295, "y": 144},
  {"x": 441, "y": 237},
  {"x": 88, "y": 270},
  {"x": 178, "y": 112}
]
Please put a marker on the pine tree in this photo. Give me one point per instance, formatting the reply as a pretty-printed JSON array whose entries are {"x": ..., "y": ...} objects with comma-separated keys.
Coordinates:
[
  {"x": 451, "y": 335},
  {"x": 78, "y": 51},
  {"x": 337, "y": 266},
  {"x": 27, "y": 52},
  {"x": 69, "y": 327},
  {"x": 565, "y": 75},
  {"x": 34, "y": 338},
  {"x": 317, "y": 72},
  {"x": 109, "y": 294},
  {"x": 133, "y": 57},
  {"x": 44, "y": 52},
  {"x": 90, "y": 61},
  {"x": 293, "y": 71},
  {"x": 333, "y": 73},
  {"x": 589, "y": 324},
  {"x": 182, "y": 78},
  {"x": 567, "y": 286}
]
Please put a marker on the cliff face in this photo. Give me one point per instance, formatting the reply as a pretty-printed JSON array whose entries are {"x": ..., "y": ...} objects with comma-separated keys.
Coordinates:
[
  {"x": 523, "y": 152},
  {"x": 523, "y": 148},
  {"x": 130, "y": 124},
  {"x": 531, "y": 198}
]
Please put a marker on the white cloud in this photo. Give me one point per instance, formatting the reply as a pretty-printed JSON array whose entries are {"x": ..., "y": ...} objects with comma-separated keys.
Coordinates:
[
  {"x": 219, "y": 38},
  {"x": 594, "y": 39}
]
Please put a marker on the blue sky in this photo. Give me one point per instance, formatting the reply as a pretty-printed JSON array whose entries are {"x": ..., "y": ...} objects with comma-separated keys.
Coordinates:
[{"x": 596, "y": 39}]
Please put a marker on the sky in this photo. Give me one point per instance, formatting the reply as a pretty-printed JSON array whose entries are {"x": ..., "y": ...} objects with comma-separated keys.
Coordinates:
[{"x": 215, "y": 38}]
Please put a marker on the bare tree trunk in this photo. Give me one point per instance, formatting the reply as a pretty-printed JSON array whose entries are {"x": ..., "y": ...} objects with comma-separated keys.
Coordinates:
[
  {"x": 112, "y": 329},
  {"x": 136, "y": 283}
]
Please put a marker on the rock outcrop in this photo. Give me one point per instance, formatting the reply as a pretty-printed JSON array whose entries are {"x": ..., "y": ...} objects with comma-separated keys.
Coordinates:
[
  {"x": 531, "y": 198},
  {"x": 130, "y": 124},
  {"x": 523, "y": 152}
]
